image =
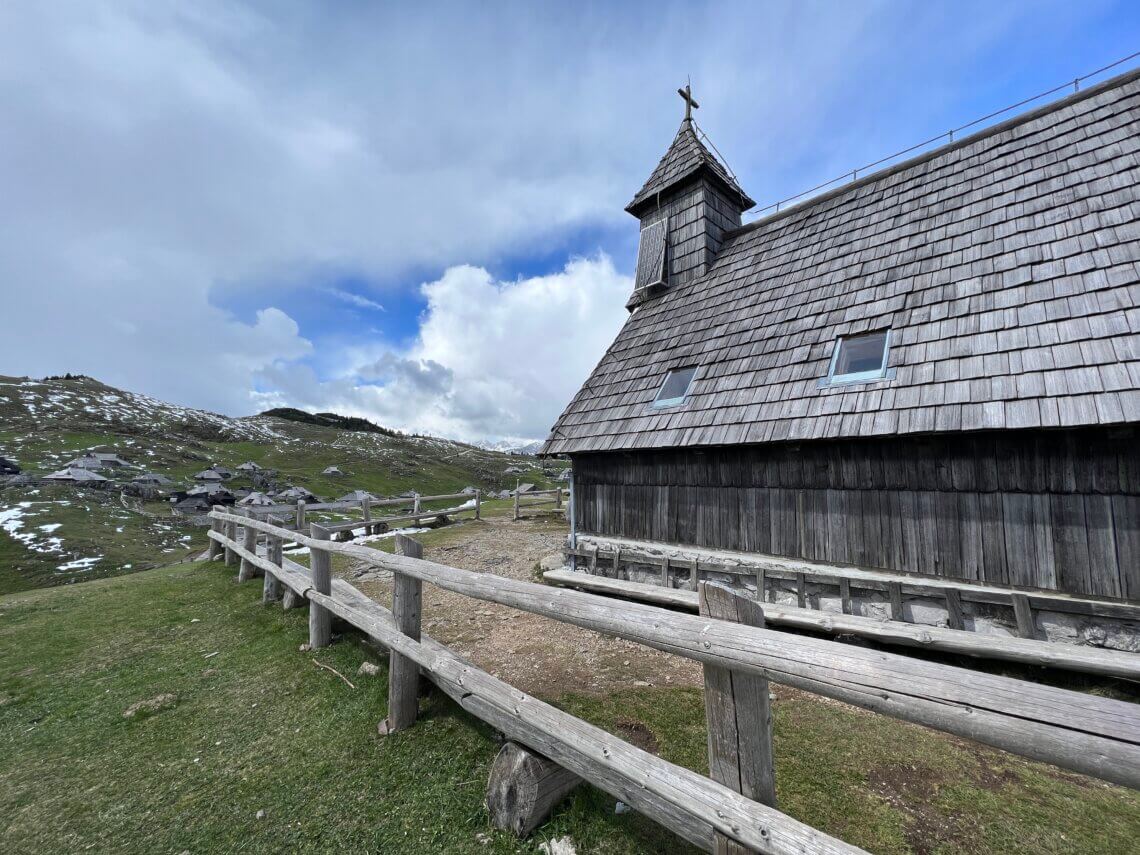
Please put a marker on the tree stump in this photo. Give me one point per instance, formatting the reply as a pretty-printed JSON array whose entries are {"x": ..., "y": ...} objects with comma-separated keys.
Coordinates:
[{"x": 524, "y": 788}]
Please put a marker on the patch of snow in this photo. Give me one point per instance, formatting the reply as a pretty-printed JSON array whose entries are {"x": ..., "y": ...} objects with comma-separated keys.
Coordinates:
[{"x": 80, "y": 564}]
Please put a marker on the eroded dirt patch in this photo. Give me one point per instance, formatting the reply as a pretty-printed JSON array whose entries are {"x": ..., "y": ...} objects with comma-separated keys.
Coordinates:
[{"x": 540, "y": 656}]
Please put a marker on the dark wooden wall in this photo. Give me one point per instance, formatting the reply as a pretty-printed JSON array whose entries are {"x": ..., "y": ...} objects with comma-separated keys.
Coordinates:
[{"x": 1057, "y": 510}]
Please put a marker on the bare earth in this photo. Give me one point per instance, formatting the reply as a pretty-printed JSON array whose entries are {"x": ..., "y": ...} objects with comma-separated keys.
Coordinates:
[{"x": 542, "y": 657}]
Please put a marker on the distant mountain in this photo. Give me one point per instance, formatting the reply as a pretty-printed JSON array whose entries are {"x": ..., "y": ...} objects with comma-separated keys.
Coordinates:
[{"x": 512, "y": 446}]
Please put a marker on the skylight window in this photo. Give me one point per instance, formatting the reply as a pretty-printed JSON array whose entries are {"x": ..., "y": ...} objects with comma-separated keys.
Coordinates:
[
  {"x": 860, "y": 358},
  {"x": 675, "y": 387}
]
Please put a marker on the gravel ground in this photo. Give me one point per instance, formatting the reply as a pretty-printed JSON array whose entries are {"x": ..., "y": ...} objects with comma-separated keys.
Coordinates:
[{"x": 543, "y": 657}]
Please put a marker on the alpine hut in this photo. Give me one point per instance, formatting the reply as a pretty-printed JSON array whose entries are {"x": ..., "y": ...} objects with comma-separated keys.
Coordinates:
[{"x": 931, "y": 370}]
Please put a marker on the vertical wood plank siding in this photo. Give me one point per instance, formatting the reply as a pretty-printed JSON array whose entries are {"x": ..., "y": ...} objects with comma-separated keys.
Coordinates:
[{"x": 1058, "y": 510}]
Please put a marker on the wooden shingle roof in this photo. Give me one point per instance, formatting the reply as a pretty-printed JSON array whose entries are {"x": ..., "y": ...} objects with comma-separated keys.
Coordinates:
[
  {"x": 1007, "y": 267},
  {"x": 685, "y": 158}
]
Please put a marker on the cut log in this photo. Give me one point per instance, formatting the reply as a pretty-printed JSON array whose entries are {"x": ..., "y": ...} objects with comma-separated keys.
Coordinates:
[
  {"x": 738, "y": 714},
  {"x": 249, "y": 541},
  {"x": 292, "y": 600},
  {"x": 320, "y": 563},
  {"x": 524, "y": 788},
  {"x": 404, "y": 673}
]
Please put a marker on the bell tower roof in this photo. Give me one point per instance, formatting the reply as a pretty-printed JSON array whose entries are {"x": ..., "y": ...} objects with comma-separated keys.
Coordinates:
[{"x": 686, "y": 157}]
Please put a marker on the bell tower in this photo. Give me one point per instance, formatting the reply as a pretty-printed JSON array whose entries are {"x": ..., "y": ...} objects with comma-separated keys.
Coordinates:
[{"x": 685, "y": 207}]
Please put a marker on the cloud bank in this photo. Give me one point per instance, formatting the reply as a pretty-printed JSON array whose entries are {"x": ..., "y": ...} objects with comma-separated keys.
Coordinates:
[{"x": 492, "y": 359}]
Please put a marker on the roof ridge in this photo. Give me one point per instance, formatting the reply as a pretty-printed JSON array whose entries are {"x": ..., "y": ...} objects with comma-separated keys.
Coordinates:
[{"x": 992, "y": 130}]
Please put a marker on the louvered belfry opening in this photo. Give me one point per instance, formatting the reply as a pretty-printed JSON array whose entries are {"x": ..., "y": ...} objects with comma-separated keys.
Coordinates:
[{"x": 685, "y": 208}]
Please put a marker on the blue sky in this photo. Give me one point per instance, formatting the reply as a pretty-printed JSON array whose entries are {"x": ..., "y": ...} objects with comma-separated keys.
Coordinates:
[{"x": 415, "y": 214}]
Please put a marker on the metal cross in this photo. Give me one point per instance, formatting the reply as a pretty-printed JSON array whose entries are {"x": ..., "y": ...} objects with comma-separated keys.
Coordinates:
[{"x": 690, "y": 104}]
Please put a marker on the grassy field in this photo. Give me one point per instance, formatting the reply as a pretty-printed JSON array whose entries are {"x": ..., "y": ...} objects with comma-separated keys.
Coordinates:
[{"x": 244, "y": 722}]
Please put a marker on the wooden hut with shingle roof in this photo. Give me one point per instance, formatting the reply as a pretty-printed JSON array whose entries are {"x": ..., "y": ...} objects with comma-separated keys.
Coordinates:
[{"x": 934, "y": 369}]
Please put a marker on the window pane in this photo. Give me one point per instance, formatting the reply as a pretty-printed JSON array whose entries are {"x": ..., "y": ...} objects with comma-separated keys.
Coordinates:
[
  {"x": 861, "y": 353},
  {"x": 677, "y": 383}
]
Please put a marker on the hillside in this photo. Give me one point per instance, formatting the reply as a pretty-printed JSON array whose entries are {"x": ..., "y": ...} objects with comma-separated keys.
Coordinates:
[{"x": 53, "y": 534}]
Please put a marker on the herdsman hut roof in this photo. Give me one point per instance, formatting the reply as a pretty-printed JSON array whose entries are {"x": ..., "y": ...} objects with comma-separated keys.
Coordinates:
[{"x": 1006, "y": 266}]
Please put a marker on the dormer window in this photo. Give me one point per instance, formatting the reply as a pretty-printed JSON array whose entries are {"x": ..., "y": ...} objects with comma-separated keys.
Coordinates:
[
  {"x": 676, "y": 387},
  {"x": 859, "y": 358}
]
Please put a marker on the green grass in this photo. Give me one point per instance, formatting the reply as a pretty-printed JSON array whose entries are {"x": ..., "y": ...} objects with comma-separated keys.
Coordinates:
[
  {"x": 892, "y": 787},
  {"x": 90, "y": 523},
  {"x": 258, "y": 727}
]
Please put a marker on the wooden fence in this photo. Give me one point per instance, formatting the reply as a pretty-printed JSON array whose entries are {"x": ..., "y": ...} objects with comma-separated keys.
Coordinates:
[
  {"x": 679, "y": 578},
  {"x": 300, "y": 511},
  {"x": 1084, "y": 733},
  {"x": 534, "y": 499}
]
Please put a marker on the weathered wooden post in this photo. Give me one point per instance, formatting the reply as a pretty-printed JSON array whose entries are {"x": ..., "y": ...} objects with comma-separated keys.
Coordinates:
[
  {"x": 249, "y": 542},
  {"x": 215, "y": 548},
  {"x": 403, "y": 673},
  {"x": 271, "y": 591},
  {"x": 477, "y": 506},
  {"x": 320, "y": 562},
  {"x": 299, "y": 522},
  {"x": 738, "y": 713},
  {"x": 416, "y": 504},
  {"x": 524, "y": 787},
  {"x": 366, "y": 510},
  {"x": 230, "y": 530},
  {"x": 516, "y": 503}
]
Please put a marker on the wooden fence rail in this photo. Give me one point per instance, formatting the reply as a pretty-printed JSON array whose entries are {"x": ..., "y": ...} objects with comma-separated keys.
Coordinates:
[
  {"x": 556, "y": 499},
  {"x": 1084, "y": 733},
  {"x": 1072, "y": 657},
  {"x": 301, "y": 510},
  {"x": 693, "y": 806}
]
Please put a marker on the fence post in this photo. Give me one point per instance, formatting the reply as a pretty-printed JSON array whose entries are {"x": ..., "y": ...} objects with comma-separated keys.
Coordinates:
[
  {"x": 516, "y": 503},
  {"x": 477, "y": 506},
  {"x": 320, "y": 562},
  {"x": 558, "y": 498},
  {"x": 416, "y": 504},
  {"x": 403, "y": 673},
  {"x": 738, "y": 713},
  {"x": 230, "y": 530},
  {"x": 271, "y": 591},
  {"x": 300, "y": 520},
  {"x": 249, "y": 541},
  {"x": 215, "y": 548},
  {"x": 366, "y": 509}
]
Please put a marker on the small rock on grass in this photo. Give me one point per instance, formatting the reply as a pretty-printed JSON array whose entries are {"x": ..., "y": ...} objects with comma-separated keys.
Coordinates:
[
  {"x": 559, "y": 846},
  {"x": 483, "y": 839},
  {"x": 261, "y": 814},
  {"x": 368, "y": 669},
  {"x": 151, "y": 705}
]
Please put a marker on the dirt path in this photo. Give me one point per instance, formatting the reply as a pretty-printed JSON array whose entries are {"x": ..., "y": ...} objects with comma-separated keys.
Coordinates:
[{"x": 542, "y": 657}]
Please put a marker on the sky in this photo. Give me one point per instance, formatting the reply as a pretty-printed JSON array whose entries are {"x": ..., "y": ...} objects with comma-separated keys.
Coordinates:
[{"x": 413, "y": 212}]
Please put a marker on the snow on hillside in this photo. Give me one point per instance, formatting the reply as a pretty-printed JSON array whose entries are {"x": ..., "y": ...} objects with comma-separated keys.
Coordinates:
[{"x": 89, "y": 401}]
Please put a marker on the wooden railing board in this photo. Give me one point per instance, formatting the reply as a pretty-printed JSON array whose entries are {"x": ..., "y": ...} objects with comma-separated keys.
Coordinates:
[
  {"x": 1089, "y": 660},
  {"x": 880, "y": 582}
]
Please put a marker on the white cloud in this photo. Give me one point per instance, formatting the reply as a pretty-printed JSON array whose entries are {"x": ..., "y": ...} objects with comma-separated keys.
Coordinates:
[
  {"x": 492, "y": 359},
  {"x": 355, "y": 300}
]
